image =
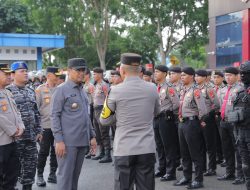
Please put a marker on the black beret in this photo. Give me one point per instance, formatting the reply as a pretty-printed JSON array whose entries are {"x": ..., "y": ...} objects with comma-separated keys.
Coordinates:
[
  {"x": 54, "y": 70},
  {"x": 112, "y": 72},
  {"x": 131, "y": 59},
  {"x": 188, "y": 70},
  {"x": 161, "y": 68},
  {"x": 5, "y": 67},
  {"x": 116, "y": 73},
  {"x": 209, "y": 72},
  {"x": 148, "y": 73},
  {"x": 218, "y": 73},
  {"x": 77, "y": 63},
  {"x": 62, "y": 76},
  {"x": 201, "y": 72},
  {"x": 98, "y": 70},
  {"x": 175, "y": 69},
  {"x": 232, "y": 70}
]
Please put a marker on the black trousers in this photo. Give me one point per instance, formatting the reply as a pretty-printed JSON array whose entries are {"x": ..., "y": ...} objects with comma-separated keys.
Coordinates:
[
  {"x": 102, "y": 132},
  {"x": 46, "y": 148},
  {"x": 168, "y": 134},
  {"x": 9, "y": 165},
  {"x": 135, "y": 170},
  {"x": 244, "y": 150},
  {"x": 191, "y": 147},
  {"x": 228, "y": 146},
  {"x": 219, "y": 152},
  {"x": 209, "y": 136}
]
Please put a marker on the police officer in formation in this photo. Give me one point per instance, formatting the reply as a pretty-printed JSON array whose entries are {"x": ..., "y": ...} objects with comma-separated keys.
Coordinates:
[
  {"x": 43, "y": 98},
  {"x": 208, "y": 131},
  {"x": 218, "y": 78},
  {"x": 103, "y": 138},
  {"x": 192, "y": 116},
  {"x": 227, "y": 96},
  {"x": 175, "y": 78},
  {"x": 72, "y": 139},
  {"x": 240, "y": 116},
  {"x": 11, "y": 128},
  {"x": 166, "y": 132},
  {"x": 134, "y": 146}
]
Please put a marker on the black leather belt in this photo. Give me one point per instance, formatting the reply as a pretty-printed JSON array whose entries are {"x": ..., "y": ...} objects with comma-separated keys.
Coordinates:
[
  {"x": 167, "y": 114},
  {"x": 184, "y": 119}
]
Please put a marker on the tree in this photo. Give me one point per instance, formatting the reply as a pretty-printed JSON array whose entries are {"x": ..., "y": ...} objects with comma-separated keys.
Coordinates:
[
  {"x": 174, "y": 20},
  {"x": 15, "y": 18},
  {"x": 99, "y": 16}
]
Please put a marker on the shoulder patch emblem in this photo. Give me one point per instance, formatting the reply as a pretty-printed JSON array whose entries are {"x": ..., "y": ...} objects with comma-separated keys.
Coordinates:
[
  {"x": 197, "y": 93},
  {"x": 171, "y": 91},
  {"x": 211, "y": 93}
]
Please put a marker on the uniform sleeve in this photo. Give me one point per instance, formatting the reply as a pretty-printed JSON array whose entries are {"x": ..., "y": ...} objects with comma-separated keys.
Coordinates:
[
  {"x": 107, "y": 116},
  {"x": 200, "y": 102},
  {"x": 91, "y": 130},
  {"x": 7, "y": 126},
  {"x": 38, "y": 97},
  {"x": 157, "y": 108},
  {"x": 57, "y": 104},
  {"x": 173, "y": 95}
]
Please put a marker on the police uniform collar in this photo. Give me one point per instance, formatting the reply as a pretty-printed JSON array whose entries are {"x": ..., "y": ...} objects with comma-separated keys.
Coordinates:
[
  {"x": 162, "y": 84},
  {"x": 73, "y": 84},
  {"x": 130, "y": 78}
]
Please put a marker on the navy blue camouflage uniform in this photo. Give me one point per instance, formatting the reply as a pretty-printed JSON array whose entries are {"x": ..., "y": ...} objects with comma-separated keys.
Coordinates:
[{"x": 26, "y": 103}]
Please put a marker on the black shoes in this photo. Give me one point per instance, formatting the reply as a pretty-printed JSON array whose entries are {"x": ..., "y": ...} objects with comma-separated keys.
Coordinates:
[
  {"x": 226, "y": 177},
  {"x": 183, "y": 181},
  {"x": 168, "y": 177},
  {"x": 238, "y": 181},
  {"x": 159, "y": 173},
  {"x": 195, "y": 185},
  {"x": 210, "y": 172},
  {"x": 107, "y": 157},
  {"x": 27, "y": 187},
  {"x": 223, "y": 164},
  {"x": 52, "y": 178},
  {"x": 40, "y": 182}
]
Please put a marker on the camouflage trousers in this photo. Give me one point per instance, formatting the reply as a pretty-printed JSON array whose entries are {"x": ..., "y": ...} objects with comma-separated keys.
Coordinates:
[{"x": 27, "y": 151}]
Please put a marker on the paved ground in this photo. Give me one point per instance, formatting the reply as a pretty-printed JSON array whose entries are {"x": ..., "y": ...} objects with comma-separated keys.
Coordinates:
[{"x": 97, "y": 176}]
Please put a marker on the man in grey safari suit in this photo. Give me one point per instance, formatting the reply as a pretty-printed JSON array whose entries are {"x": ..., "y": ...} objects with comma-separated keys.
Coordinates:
[{"x": 71, "y": 126}]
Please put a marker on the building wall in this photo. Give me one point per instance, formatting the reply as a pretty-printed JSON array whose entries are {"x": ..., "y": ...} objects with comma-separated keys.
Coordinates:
[{"x": 218, "y": 8}]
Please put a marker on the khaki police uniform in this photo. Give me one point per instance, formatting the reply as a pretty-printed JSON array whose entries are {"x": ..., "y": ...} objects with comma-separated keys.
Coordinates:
[
  {"x": 166, "y": 131},
  {"x": 133, "y": 105},
  {"x": 209, "y": 131},
  {"x": 43, "y": 98},
  {"x": 192, "y": 111},
  {"x": 10, "y": 120}
]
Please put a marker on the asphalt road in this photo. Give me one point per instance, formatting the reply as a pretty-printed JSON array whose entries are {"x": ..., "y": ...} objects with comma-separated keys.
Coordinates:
[{"x": 96, "y": 176}]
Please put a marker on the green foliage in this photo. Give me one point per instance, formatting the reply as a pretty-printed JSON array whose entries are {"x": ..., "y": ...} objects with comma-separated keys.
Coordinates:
[{"x": 15, "y": 18}]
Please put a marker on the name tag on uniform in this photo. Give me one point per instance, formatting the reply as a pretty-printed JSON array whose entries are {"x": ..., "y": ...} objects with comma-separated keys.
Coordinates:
[{"x": 4, "y": 106}]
